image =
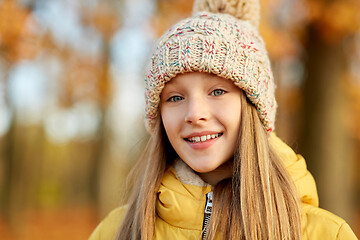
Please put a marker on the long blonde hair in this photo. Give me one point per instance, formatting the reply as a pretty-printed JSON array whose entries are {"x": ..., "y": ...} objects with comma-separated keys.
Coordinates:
[{"x": 258, "y": 202}]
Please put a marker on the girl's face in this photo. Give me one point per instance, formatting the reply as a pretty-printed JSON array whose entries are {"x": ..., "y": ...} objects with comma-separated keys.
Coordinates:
[{"x": 201, "y": 116}]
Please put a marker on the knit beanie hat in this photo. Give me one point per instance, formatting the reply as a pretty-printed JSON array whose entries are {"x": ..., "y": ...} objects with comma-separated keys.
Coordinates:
[{"x": 220, "y": 38}]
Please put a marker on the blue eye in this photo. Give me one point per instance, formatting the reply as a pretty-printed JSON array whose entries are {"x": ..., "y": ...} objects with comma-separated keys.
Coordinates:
[
  {"x": 217, "y": 92},
  {"x": 175, "y": 99}
]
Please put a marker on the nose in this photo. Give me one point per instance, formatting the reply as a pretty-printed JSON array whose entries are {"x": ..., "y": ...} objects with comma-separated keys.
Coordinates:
[{"x": 197, "y": 111}]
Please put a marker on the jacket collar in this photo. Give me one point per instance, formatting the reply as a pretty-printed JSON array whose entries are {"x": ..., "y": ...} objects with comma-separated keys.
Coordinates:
[{"x": 181, "y": 198}]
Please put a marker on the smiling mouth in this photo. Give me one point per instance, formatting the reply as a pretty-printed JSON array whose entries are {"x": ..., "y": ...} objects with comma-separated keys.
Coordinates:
[{"x": 203, "y": 138}]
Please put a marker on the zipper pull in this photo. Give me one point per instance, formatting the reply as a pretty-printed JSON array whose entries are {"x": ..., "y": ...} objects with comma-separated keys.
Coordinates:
[
  {"x": 207, "y": 214},
  {"x": 208, "y": 206}
]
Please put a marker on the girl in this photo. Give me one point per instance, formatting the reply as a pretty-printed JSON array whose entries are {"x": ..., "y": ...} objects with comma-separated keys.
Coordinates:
[{"x": 213, "y": 168}]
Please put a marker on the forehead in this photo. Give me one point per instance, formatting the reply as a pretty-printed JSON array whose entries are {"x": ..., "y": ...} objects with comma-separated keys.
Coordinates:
[{"x": 197, "y": 77}]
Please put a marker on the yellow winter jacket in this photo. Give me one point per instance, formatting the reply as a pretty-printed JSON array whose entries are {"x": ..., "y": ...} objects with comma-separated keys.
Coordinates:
[{"x": 182, "y": 197}]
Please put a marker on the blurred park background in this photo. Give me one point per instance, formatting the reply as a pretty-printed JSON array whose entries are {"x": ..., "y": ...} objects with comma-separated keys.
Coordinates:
[{"x": 71, "y": 103}]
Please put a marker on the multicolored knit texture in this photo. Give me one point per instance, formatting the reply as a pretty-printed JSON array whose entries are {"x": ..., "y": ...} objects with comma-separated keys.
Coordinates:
[{"x": 218, "y": 44}]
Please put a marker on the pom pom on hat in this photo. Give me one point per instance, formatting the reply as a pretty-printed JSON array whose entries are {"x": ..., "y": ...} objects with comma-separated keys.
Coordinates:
[{"x": 242, "y": 9}]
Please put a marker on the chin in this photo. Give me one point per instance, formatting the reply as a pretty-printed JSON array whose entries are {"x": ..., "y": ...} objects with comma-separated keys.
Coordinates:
[{"x": 204, "y": 168}]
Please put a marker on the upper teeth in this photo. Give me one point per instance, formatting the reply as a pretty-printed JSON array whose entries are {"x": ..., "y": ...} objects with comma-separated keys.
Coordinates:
[{"x": 203, "y": 138}]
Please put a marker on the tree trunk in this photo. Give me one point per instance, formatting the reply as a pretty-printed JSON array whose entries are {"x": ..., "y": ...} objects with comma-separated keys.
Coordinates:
[{"x": 324, "y": 140}]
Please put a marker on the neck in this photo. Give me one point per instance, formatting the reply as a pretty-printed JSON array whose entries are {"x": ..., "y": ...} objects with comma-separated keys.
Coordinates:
[{"x": 222, "y": 172}]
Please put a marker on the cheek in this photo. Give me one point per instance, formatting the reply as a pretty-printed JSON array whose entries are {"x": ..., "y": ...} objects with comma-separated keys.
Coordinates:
[
  {"x": 170, "y": 121},
  {"x": 230, "y": 115}
]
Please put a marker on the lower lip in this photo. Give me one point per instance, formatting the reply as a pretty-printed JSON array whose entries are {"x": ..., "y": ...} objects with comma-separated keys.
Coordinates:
[{"x": 203, "y": 145}]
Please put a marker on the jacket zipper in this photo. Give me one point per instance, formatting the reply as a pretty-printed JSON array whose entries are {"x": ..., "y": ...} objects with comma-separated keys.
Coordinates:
[{"x": 207, "y": 214}]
